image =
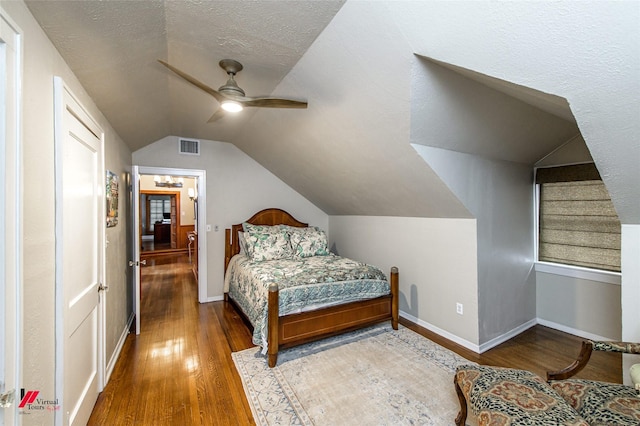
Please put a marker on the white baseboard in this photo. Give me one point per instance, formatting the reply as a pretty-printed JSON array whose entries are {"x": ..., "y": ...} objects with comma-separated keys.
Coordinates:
[
  {"x": 116, "y": 352},
  {"x": 214, "y": 299},
  {"x": 575, "y": 332},
  {"x": 503, "y": 337},
  {"x": 508, "y": 335},
  {"x": 462, "y": 342}
]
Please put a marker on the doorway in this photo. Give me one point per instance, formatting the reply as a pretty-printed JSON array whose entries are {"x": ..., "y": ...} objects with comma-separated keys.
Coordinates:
[{"x": 167, "y": 206}]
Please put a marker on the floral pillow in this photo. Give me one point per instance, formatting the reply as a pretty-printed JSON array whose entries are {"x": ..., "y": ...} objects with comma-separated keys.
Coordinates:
[
  {"x": 266, "y": 242},
  {"x": 307, "y": 242}
]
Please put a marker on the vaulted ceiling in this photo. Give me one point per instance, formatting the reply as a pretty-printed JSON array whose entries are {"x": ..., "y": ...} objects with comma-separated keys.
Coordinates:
[
  {"x": 370, "y": 95},
  {"x": 113, "y": 47}
]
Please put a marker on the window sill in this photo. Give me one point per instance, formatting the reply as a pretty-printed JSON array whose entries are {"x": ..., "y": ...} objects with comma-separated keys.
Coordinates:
[{"x": 581, "y": 273}]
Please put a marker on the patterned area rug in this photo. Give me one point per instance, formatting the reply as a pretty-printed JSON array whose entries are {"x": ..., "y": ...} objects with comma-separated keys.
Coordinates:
[{"x": 374, "y": 376}]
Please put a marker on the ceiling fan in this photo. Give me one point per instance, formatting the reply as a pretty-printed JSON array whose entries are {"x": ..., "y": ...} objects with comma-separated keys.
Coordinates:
[{"x": 230, "y": 96}]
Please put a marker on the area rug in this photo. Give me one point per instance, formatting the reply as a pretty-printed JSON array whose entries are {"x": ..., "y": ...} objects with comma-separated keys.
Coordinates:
[{"x": 374, "y": 376}]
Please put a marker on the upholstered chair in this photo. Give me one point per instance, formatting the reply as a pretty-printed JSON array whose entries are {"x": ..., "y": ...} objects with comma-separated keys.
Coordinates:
[{"x": 599, "y": 403}]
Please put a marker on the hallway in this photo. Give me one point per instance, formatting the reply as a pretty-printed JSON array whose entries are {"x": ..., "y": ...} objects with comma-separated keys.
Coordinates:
[{"x": 178, "y": 371}]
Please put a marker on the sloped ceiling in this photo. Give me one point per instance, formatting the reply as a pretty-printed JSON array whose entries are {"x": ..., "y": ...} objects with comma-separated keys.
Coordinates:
[
  {"x": 369, "y": 95},
  {"x": 113, "y": 47}
]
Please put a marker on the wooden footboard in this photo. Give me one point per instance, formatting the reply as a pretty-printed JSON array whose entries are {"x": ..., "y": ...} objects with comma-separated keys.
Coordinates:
[
  {"x": 291, "y": 330},
  {"x": 296, "y": 329}
]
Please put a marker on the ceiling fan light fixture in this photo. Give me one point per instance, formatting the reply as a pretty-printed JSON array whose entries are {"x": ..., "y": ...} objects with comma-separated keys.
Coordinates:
[{"x": 231, "y": 106}]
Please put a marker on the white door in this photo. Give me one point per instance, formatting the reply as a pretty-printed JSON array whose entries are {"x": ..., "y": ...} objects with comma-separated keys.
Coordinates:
[
  {"x": 10, "y": 224},
  {"x": 134, "y": 262},
  {"x": 80, "y": 221}
]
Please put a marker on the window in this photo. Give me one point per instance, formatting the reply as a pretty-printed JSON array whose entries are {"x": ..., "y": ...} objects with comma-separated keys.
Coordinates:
[
  {"x": 158, "y": 210},
  {"x": 577, "y": 223}
]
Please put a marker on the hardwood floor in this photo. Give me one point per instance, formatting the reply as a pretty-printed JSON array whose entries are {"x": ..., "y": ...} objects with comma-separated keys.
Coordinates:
[{"x": 179, "y": 370}]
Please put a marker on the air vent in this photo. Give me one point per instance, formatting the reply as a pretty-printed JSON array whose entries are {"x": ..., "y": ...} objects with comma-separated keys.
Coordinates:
[{"x": 189, "y": 146}]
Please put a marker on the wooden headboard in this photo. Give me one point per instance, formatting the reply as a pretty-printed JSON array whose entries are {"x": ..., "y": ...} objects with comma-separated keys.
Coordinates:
[{"x": 264, "y": 217}]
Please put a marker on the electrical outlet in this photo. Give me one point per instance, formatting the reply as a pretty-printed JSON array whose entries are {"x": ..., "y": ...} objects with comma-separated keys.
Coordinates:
[{"x": 459, "y": 308}]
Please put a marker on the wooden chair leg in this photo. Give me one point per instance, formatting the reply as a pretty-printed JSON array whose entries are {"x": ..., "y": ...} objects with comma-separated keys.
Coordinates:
[{"x": 462, "y": 415}]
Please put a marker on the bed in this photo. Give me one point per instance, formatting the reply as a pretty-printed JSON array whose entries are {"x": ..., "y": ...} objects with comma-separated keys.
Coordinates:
[{"x": 283, "y": 314}]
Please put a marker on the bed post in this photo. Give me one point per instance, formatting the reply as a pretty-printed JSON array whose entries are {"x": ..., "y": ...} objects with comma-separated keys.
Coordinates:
[
  {"x": 227, "y": 254},
  {"x": 395, "y": 297},
  {"x": 272, "y": 321}
]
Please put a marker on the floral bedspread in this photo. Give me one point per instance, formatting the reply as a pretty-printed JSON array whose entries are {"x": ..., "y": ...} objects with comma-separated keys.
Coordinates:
[{"x": 304, "y": 283}]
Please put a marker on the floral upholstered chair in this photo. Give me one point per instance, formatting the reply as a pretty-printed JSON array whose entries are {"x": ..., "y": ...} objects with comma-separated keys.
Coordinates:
[
  {"x": 599, "y": 403},
  {"x": 506, "y": 396}
]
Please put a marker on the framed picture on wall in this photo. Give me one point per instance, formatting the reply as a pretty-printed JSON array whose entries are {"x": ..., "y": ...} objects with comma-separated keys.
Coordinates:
[{"x": 112, "y": 199}]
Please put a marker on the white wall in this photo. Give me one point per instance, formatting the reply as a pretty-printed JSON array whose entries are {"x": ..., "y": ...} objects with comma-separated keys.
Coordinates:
[
  {"x": 630, "y": 292},
  {"x": 237, "y": 187},
  {"x": 585, "y": 52},
  {"x": 41, "y": 63},
  {"x": 436, "y": 259}
]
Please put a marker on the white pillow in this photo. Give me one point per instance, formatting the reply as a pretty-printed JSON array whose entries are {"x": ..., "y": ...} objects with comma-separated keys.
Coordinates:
[{"x": 635, "y": 375}]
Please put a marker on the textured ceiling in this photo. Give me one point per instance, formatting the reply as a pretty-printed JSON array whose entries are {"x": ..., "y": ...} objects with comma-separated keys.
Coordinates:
[
  {"x": 113, "y": 47},
  {"x": 370, "y": 97}
]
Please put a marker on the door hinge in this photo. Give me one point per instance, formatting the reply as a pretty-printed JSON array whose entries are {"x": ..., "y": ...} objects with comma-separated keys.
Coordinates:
[{"x": 137, "y": 263}]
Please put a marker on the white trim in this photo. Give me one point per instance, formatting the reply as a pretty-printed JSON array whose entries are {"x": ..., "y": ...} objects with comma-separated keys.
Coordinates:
[
  {"x": 201, "y": 176},
  {"x": 506, "y": 336},
  {"x": 116, "y": 352},
  {"x": 11, "y": 234},
  {"x": 214, "y": 299},
  {"x": 574, "y": 331},
  {"x": 484, "y": 347},
  {"x": 606, "y": 277},
  {"x": 449, "y": 336}
]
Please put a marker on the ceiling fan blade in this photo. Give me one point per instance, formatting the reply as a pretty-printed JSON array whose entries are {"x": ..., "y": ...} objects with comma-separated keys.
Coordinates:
[
  {"x": 272, "y": 103},
  {"x": 219, "y": 97},
  {"x": 217, "y": 115}
]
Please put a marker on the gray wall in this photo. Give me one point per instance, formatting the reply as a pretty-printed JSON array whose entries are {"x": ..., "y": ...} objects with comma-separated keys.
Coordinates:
[
  {"x": 580, "y": 306},
  {"x": 587, "y": 306},
  {"x": 500, "y": 195}
]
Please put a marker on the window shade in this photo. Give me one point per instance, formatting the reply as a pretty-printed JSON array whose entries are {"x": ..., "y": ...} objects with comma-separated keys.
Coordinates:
[{"x": 578, "y": 224}]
